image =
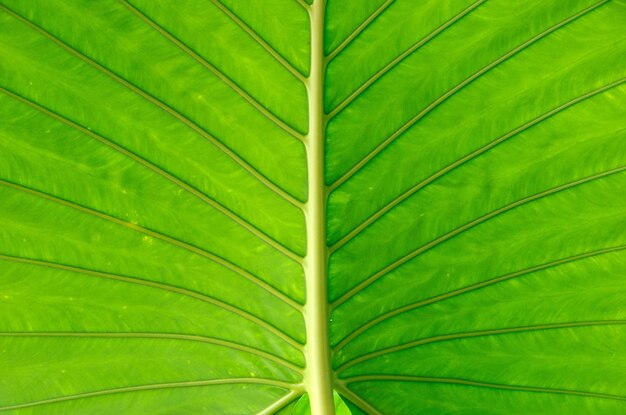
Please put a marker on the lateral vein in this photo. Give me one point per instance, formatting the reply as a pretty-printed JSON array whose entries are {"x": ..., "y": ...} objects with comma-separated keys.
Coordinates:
[
  {"x": 163, "y": 173},
  {"x": 473, "y": 287},
  {"x": 215, "y": 71},
  {"x": 257, "y": 37},
  {"x": 453, "y": 381},
  {"x": 346, "y": 176},
  {"x": 306, "y": 6},
  {"x": 401, "y": 261},
  {"x": 380, "y": 73},
  {"x": 471, "y": 334},
  {"x": 155, "y": 386},
  {"x": 168, "y": 336},
  {"x": 163, "y": 237},
  {"x": 161, "y": 286},
  {"x": 360, "y": 28},
  {"x": 164, "y": 107},
  {"x": 281, "y": 403},
  {"x": 361, "y": 403}
]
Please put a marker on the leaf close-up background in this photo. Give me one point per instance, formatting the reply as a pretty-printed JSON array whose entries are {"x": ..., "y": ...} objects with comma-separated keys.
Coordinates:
[{"x": 326, "y": 207}]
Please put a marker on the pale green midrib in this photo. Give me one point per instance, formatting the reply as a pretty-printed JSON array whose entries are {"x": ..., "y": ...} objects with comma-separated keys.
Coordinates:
[
  {"x": 293, "y": 393},
  {"x": 162, "y": 237},
  {"x": 155, "y": 386},
  {"x": 259, "y": 39},
  {"x": 163, "y": 336},
  {"x": 381, "y": 72},
  {"x": 385, "y": 143},
  {"x": 318, "y": 377},
  {"x": 473, "y": 334},
  {"x": 258, "y": 233},
  {"x": 400, "y": 378},
  {"x": 441, "y": 297},
  {"x": 164, "y": 107},
  {"x": 292, "y": 131},
  {"x": 358, "y": 30},
  {"x": 165, "y": 287},
  {"x": 368, "y": 281}
]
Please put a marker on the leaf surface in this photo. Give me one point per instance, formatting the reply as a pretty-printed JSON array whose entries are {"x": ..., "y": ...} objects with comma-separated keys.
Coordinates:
[
  {"x": 290, "y": 206},
  {"x": 303, "y": 407}
]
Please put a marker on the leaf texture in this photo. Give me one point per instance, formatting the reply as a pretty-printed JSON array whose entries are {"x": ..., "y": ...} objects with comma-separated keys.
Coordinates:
[{"x": 163, "y": 166}]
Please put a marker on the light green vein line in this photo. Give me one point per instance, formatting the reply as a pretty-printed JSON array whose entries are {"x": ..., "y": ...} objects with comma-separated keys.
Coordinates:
[
  {"x": 360, "y": 28},
  {"x": 305, "y": 6},
  {"x": 257, "y": 37},
  {"x": 474, "y": 287},
  {"x": 164, "y": 107},
  {"x": 161, "y": 286},
  {"x": 165, "y": 238},
  {"x": 471, "y": 334},
  {"x": 356, "y": 399},
  {"x": 166, "y": 175},
  {"x": 452, "y": 381},
  {"x": 401, "y": 261},
  {"x": 219, "y": 74},
  {"x": 453, "y": 91},
  {"x": 337, "y": 245},
  {"x": 281, "y": 403},
  {"x": 167, "y": 336},
  {"x": 155, "y": 386},
  {"x": 379, "y": 74},
  {"x": 410, "y": 192}
]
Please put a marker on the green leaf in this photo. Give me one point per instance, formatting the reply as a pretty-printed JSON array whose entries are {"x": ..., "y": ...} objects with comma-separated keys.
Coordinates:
[
  {"x": 312, "y": 206},
  {"x": 303, "y": 407}
]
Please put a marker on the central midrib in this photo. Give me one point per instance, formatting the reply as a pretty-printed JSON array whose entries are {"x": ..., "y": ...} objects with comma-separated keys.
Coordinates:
[{"x": 318, "y": 373}]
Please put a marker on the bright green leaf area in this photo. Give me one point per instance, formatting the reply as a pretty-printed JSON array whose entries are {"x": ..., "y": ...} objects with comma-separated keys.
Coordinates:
[
  {"x": 302, "y": 407},
  {"x": 157, "y": 234}
]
